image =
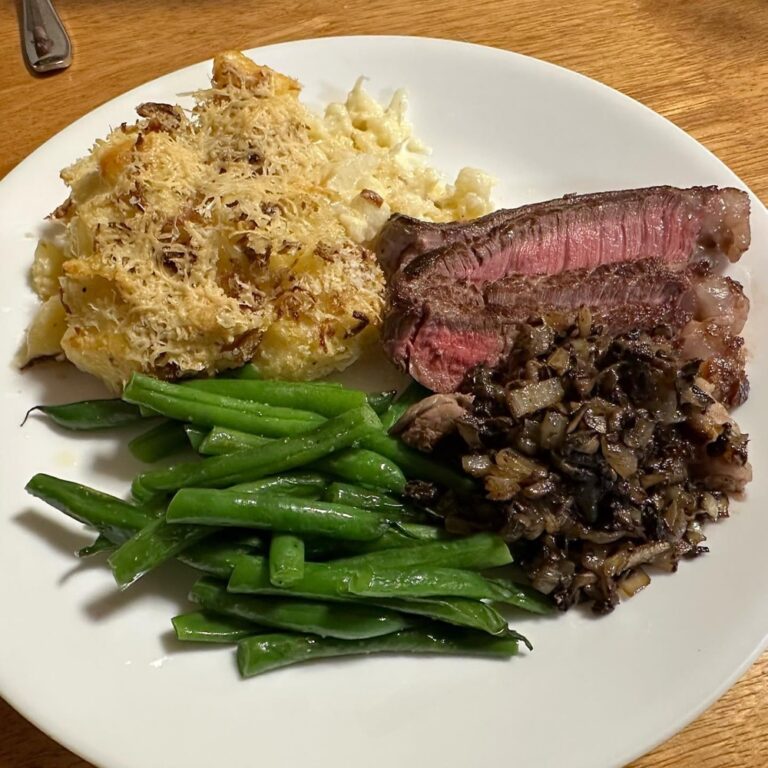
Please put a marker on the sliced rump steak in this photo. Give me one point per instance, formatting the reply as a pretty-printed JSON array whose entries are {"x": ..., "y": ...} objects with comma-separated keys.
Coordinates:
[
  {"x": 575, "y": 231},
  {"x": 637, "y": 259}
]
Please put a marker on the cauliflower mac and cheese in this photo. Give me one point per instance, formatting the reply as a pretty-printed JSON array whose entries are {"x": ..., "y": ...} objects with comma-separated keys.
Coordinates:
[{"x": 192, "y": 242}]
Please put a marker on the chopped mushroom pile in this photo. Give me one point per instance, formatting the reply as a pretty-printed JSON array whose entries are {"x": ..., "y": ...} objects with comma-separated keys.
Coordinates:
[{"x": 597, "y": 456}]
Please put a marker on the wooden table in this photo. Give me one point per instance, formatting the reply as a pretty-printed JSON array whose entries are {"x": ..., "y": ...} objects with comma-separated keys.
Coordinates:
[{"x": 701, "y": 63}]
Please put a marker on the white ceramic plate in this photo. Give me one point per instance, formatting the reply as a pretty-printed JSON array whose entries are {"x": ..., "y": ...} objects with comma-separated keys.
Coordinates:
[{"x": 99, "y": 671}]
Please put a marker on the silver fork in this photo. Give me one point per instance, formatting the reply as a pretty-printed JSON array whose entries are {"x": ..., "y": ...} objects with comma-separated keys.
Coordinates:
[{"x": 46, "y": 44}]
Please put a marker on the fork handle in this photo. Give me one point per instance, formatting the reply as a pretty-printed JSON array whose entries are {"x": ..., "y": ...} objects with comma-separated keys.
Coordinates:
[{"x": 46, "y": 43}]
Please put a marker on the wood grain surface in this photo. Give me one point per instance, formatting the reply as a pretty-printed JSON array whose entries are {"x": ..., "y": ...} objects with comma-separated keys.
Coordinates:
[{"x": 701, "y": 63}]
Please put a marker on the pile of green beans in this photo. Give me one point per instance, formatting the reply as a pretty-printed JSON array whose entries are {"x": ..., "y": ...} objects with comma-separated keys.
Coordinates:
[{"x": 289, "y": 506}]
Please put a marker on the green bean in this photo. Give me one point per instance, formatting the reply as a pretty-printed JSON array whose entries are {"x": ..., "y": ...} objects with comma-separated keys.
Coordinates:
[
  {"x": 364, "y": 467},
  {"x": 218, "y": 554},
  {"x": 253, "y": 464},
  {"x": 329, "y": 581},
  {"x": 262, "y": 653},
  {"x": 355, "y": 496},
  {"x": 220, "y": 441},
  {"x": 417, "y": 465},
  {"x": 155, "y": 505},
  {"x": 439, "y": 582},
  {"x": 413, "y": 393},
  {"x": 356, "y": 464},
  {"x": 107, "y": 514},
  {"x": 144, "y": 384},
  {"x": 162, "y": 440},
  {"x": 195, "y": 435},
  {"x": 205, "y": 627},
  {"x": 453, "y": 610},
  {"x": 204, "y": 414},
  {"x": 155, "y": 543},
  {"x": 403, "y": 535},
  {"x": 476, "y": 552},
  {"x": 306, "y": 396},
  {"x": 208, "y": 410},
  {"x": 203, "y": 506},
  {"x": 140, "y": 492},
  {"x": 100, "y": 544},
  {"x": 286, "y": 559},
  {"x": 91, "y": 414},
  {"x": 380, "y": 401},
  {"x": 306, "y": 493},
  {"x": 156, "y": 501},
  {"x": 527, "y": 598},
  {"x": 301, "y": 484},
  {"x": 419, "y": 532},
  {"x": 251, "y": 575},
  {"x": 348, "y": 622}
]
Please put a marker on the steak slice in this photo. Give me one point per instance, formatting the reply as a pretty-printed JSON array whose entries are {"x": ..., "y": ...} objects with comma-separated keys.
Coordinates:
[
  {"x": 463, "y": 325},
  {"x": 572, "y": 232}
]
